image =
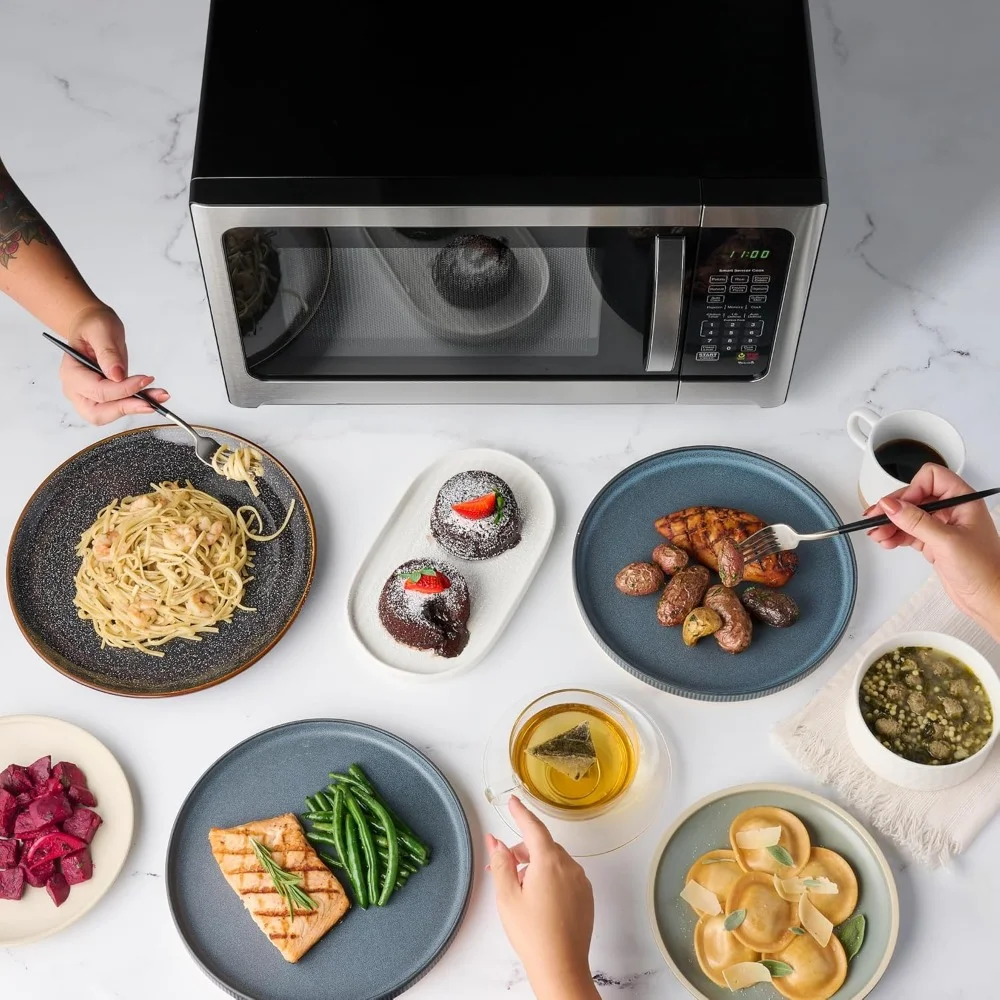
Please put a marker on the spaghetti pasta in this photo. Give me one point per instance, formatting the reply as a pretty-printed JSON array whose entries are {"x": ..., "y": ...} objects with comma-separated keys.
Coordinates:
[
  {"x": 169, "y": 564},
  {"x": 240, "y": 464}
]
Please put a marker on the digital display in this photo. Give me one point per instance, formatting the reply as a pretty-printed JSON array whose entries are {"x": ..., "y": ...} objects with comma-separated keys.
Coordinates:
[{"x": 749, "y": 254}]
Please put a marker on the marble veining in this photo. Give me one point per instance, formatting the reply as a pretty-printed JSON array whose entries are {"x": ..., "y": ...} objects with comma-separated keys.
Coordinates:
[{"x": 98, "y": 126}]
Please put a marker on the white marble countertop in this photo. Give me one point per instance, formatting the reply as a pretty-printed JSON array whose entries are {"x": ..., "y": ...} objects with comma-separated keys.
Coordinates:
[{"x": 97, "y": 118}]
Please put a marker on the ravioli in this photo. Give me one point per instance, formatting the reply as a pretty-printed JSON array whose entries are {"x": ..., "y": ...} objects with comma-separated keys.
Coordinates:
[
  {"x": 794, "y": 839},
  {"x": 824, "y": 863},
  {"x": 718, "y": 875},
  {"x": 769, "y": 919},
  {"x": 717, "y": 949},
  {"x": 817, "y": 972}
]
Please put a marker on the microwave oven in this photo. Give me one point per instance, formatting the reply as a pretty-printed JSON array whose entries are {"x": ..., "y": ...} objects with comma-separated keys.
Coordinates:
[{"x": 404, "y": 210}]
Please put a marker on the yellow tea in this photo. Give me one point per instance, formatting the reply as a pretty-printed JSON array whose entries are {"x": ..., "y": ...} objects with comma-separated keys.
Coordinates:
[{"x": 574, "y": 756}]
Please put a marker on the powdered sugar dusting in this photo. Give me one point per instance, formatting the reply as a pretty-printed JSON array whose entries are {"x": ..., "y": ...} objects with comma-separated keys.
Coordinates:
[
  {"x": 410, "y": 605},
  {"x": 475, "y": 538}
]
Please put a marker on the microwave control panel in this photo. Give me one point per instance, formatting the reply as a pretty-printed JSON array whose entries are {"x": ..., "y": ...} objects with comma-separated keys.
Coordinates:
[{"x": 737, "y": 287}]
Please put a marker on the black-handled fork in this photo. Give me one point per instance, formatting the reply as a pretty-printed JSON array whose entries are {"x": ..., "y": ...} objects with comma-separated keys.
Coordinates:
[
  {"x": 781, "y": 538},
  {"x": 204, "y": 447}
]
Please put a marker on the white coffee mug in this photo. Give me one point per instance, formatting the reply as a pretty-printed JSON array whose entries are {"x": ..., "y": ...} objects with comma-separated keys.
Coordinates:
[{"x": 869, "y": 431}]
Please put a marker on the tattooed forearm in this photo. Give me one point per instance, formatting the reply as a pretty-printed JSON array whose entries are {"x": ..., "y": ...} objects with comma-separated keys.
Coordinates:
[{"x": 20, "y": 224}]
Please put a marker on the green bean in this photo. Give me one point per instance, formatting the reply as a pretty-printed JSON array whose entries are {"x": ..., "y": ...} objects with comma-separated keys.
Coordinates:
[
  {"x": 355, "y": 772},
  {"x": 367, "y": 843},
  {"x": 322, "y": 838},
  {"x": 326, "y": 816},
  {"x": 339, "y": 780},
  {"x": 326, "y": 801},
  {"x": 338, "y": 825},
  {"x": 325, "y": 827},
  {"x": 392, "y": 861},
  {"x": 409, "y": 844},
  {"x": 312, "y": 803},
  {"x": 330, "y": 861},
  {"x": 354, "y": 872}
]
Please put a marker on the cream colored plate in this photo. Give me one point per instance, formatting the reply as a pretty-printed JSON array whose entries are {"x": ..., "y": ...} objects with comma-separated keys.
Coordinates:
[{"x": 25, "y": 738}]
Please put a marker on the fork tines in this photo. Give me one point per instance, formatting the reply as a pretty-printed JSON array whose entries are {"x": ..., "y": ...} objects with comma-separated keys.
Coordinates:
[{"x": 759, "y": 545}]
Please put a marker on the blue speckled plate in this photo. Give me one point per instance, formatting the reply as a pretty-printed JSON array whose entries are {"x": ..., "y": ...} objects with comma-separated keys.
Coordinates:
[
  {"x": 618, "y": 529},
  {"x": 42, "y": 564},
  {"x": 705, "y": 827},
  {"x": 373, "y": 954}
]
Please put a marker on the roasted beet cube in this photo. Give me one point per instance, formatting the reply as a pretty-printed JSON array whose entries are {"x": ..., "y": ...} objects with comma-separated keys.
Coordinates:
[
  {"x": 25, "y": 799},
  {"x": 58, "y": 888},
  {"x": 41, "y": 770},
  {"x": 16, "y": 779},
  {"x": 9, "y": 851},
  {"x": 12, "y": 884},
  {"x": 38, "y": 875},
  {"x": 50, "y": 809},
  {"x": 83, "y": 824},
  {"x": 81, "y": 796},
  {"x": 8, "y": 813},
  {"x": 69, "y": 774},
  {"x": 26, "y": 829},
  {"x": 78, "y": 866}
]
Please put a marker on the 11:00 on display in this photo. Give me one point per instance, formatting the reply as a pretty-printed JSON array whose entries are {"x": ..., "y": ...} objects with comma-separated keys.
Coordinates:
[{"x": 762, "y": 254}]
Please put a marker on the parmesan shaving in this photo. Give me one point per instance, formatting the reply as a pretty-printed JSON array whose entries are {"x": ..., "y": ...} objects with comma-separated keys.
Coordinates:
[
  {"x": 751, "y": 840},
  {"x": 700, "y": 899},
  {"x": 789, "y": 889},
  {"x": 814, "y": 922},
  {"x": 744, "y": 974},
  {"x": 821, "y": 886}
]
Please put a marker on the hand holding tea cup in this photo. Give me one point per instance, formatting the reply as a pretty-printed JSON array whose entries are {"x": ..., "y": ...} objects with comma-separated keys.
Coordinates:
[
  {"x": 546, "y": 908},
  {"x": 961, "y": 543}
]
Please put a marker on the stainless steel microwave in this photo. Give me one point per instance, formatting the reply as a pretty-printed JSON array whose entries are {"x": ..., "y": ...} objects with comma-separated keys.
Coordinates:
[{"x": 506, "y": 216}]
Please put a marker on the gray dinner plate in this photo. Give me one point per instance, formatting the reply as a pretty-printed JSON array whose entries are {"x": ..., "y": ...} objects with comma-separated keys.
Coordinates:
[
  {"x": 618, "y": 529},
  {"x": 705, "y": 827},
  {"x": 373, "y": 954},
  {"x": 42, "y": 564}
]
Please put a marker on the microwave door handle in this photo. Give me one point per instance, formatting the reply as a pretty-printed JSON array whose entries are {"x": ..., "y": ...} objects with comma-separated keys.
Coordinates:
[{"x": 665, "y": 325}]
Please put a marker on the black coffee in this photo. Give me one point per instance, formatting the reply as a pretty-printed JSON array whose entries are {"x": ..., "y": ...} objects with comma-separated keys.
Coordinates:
[{"x": 904, "y": 457}]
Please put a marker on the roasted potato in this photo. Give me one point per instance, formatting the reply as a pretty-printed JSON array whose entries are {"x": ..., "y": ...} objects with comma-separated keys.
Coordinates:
[
  {"x": 697, "y": 529},
  {"x": 737, "y": 629},
  {"x": 770, "y": 606},
  {"x": 698, "y": 624},
  {"x": 729, "y": 560},
  {"x": 670, "y": 558},
  {"x": 639, "y": 579},
  {"x": 682, "y": 595}
]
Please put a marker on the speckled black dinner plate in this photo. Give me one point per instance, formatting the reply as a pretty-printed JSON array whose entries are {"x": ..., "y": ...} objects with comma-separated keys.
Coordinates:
[
  {"x": 41, "y": 564},
  {"x": 618, "y": 529},
  {"x": 373, "y": 954}
]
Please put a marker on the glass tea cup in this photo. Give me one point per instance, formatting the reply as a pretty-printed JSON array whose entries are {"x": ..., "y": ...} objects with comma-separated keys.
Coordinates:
[{"x": 566, "y": 698}]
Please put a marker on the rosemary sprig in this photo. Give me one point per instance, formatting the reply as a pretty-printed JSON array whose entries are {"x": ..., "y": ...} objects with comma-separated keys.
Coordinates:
[{"x": 289, "y": 885}]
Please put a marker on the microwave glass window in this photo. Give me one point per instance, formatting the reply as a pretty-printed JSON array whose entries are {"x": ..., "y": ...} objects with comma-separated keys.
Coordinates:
[{"x": 384, "y": 302}]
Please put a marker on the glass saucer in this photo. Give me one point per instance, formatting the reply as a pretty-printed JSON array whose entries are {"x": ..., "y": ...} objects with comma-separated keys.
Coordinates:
[{"x": 625, "y": 818}]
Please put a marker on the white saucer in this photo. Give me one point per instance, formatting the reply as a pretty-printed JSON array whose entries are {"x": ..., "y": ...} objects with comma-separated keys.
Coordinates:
[{"x": 496, "y": 585}]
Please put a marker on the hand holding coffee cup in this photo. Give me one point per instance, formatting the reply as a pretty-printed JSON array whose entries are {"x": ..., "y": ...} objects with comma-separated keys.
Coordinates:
[{"x": 898, "y": 445}]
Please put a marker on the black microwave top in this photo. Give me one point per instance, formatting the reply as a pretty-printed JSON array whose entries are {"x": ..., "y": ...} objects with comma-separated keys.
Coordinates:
[{"x": 708, "y": 103}]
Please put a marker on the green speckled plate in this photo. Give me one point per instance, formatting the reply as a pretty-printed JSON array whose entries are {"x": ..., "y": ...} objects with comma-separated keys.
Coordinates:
[{"x": 706, "y": 826}]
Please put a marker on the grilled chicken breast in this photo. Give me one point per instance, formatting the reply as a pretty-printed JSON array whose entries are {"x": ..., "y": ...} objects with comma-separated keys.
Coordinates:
[
  {"x": 697, "y": 529},
  {"x": 284, "y": 838}
]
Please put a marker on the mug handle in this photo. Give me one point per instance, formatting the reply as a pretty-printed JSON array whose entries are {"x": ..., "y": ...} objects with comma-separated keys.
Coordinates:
[{"x": 860, "y": 424}]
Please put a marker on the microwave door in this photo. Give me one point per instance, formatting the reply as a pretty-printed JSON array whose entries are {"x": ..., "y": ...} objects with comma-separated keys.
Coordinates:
[{"x": 665, "y": 316}]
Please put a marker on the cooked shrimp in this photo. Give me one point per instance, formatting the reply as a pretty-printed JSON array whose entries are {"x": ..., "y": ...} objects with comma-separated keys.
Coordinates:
[
  {"x": 143, "y": 612},
  {"x": 102, "y": 545},
  {"x": 145, "y": 502},
  {"x": 201, "y": 603},
  {"x": 181, "y": 537}
]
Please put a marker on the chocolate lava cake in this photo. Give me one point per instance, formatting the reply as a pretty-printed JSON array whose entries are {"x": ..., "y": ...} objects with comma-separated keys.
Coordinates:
[
  {"x": 474, "y": 271},
  {"x": 476, "y": 516},
  {"x": 425, "y": 605}
]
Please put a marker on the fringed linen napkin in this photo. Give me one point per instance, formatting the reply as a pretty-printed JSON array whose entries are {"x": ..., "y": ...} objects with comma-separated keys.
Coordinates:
[{"x": 931, "y": 826}]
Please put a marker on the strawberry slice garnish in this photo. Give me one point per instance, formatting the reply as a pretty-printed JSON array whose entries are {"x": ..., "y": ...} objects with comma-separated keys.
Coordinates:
[
  {"x": 477, "y": 508},
  {"x": 426, "y": 580}
]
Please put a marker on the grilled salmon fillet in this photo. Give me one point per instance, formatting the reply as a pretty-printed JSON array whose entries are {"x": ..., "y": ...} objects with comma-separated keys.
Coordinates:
[
  {"x": 697, "y": 529},
  {"x": 284, "y": 838}
]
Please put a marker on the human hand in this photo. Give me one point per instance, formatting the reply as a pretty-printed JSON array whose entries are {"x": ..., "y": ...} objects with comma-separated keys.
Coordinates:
[
  {"x": 961, "y": 543},
  {"x": 98, "y": 332},
  {"x": 546, "y": 908}
]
